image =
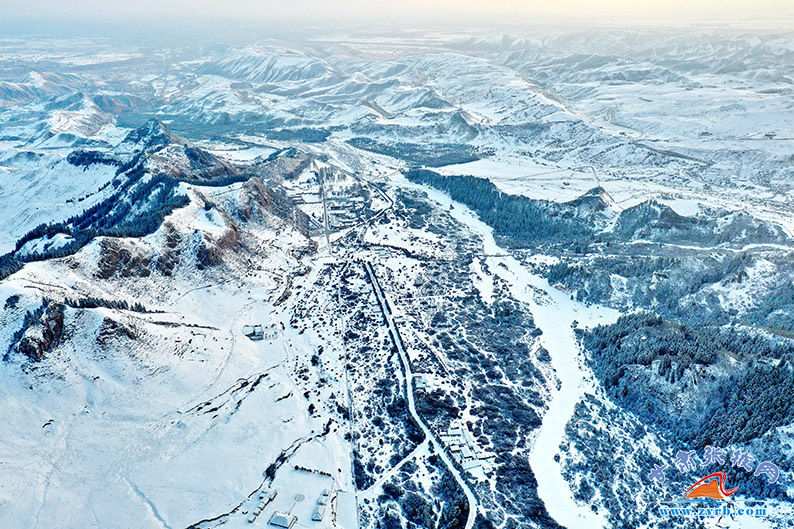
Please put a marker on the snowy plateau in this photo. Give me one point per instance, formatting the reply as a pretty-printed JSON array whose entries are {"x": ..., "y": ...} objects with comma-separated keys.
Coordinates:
[{"x": 403, "y": 282}]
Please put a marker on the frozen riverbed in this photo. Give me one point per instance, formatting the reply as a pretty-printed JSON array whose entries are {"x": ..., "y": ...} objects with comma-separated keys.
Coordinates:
[{"x": 554, "y": 313}]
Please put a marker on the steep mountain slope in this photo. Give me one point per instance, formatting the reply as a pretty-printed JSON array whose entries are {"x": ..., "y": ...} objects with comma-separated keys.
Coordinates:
[{"x": 441, "y": 282}]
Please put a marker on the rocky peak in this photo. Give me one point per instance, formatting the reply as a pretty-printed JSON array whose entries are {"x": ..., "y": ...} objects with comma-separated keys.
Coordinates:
[{"x": 151, "y": 136}]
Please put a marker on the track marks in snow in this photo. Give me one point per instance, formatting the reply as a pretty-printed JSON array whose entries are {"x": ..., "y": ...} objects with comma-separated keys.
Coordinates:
[
  {"x": 269, "y": 475},
  {"x": 148, "y": 503}
]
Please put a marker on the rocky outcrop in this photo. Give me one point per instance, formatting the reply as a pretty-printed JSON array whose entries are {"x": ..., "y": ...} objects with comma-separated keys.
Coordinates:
[
  {"x": 211, "y": 247},
  {"x": 116, "y": 259},
  {"x": 112, "y": 330},
  {"x": 208, "y": 254},
  {"x": 43, "y": 330},
  {"x": 169, "y": 253},
  {"x": 258, "y": 197}
]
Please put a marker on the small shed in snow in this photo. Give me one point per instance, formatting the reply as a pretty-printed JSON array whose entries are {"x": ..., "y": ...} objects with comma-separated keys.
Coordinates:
[
  {"x": 254, "y": 332},
  {"x": 318, "y": 513}
]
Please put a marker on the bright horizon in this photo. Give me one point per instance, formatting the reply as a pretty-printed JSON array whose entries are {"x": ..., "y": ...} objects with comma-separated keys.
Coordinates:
[{"x": 762, "y": 14}]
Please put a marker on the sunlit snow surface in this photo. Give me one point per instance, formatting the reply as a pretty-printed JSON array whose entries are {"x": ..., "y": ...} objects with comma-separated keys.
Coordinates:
[{"x": 180, "y": 423}]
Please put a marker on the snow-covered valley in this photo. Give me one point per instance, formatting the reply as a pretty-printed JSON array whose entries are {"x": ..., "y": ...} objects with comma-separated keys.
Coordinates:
[{"x": 453, "y": 281}]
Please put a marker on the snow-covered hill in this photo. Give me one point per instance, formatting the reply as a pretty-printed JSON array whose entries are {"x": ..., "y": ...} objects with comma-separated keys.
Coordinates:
[{"x": 449, "y": 281}]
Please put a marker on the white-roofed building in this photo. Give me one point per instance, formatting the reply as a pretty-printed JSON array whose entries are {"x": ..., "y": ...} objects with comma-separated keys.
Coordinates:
[{"x": 282, "y": 519}]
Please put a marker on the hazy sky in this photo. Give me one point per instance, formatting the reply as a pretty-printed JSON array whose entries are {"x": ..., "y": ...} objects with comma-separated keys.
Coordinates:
[{"x": 620, "y": 12}]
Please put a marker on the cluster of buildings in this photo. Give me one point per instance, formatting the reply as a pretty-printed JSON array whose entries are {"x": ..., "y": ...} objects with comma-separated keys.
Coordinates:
[
  {"x": 421, "y": 383},
  {"x": 322, "y": 504},
  {"x": 264, "y": 498},
  {"x": 286, "y": 520},
  {"x": 465, "y": 450}
]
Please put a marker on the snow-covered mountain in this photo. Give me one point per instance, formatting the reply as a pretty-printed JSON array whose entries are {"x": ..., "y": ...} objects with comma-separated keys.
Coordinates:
[{"x": 453, "y": 282}]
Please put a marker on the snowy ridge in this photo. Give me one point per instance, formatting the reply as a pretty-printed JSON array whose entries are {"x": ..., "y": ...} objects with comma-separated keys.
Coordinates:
[{"x": 190, "y": 340}]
